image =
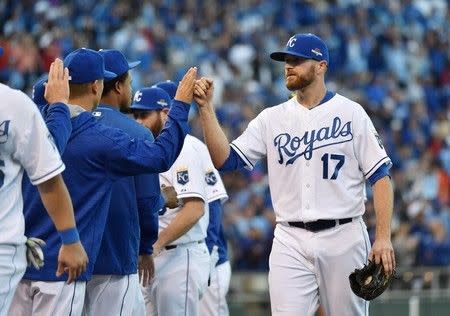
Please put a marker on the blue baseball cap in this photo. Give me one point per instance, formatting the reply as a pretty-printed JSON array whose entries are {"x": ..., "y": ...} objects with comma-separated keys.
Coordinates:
[
  {"x": 86, "y": 65},
  {"x": 169, "y": 86},
  {"x": 116, "y": 62},
  {"x": 1, "y": 51},
  {"x": 152, "y": 98},
  {"x": 39, "y": 90},
  {"x": 307, "y": 46}
]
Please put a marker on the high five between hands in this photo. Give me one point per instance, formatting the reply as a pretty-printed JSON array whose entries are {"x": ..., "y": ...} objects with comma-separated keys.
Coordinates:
[{"x": 190, "y": 88}]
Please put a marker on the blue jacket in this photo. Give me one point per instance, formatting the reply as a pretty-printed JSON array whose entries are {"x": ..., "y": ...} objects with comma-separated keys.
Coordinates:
[
  {"x": 134, "y": 200},
  {"x": 95, "y": 157},
  {"x": 215, "y": 235}
]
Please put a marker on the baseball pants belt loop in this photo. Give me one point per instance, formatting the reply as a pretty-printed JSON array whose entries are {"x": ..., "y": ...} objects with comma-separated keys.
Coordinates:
[
  {"x": 184, "y": 245},
  {"x": 320, "y": 224}
]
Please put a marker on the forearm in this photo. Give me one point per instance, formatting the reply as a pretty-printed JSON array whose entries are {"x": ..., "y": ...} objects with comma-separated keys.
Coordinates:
[
  {"x": 215, "y": 138},
  {"x": 56, "y": 200},
  {"x": 185, "y": 219},
  {"x": 383, "y": 197}
]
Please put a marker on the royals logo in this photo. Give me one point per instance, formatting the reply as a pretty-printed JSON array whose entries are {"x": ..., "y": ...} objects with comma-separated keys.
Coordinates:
[
  {"x": 290, "y": 148},
  {"x": 210, "y": 178},
  {"x": 182, "y": 176}
]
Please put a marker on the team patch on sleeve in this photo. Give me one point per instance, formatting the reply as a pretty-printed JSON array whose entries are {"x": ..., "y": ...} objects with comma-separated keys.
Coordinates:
[
  {"x": 380, "y": 142},
  {"x": 4, "y": 129},
  {"x": 210, "y": 178},
  {"x": 182, "y": 176}
]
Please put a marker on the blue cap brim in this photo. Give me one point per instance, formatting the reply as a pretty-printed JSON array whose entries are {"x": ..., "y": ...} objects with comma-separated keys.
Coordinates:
[
  {"x": 280, "y": 56},
  {"x": 107, "y": 75},
  {"x": 133, "y": 64},
  {"x": 143, "y": 107}
]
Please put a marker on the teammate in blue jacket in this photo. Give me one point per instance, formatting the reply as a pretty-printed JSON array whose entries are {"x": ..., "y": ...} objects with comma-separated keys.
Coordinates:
[
  {"x": 95, "y": 157},
  {"x": 135, "y": 201}
]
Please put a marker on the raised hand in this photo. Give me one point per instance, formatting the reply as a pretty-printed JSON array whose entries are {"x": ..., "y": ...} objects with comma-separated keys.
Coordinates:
[
  {"x": 185, "y": 91},
  {"x": 57, "y": 86},
  {"x": 203, "y": 92}
]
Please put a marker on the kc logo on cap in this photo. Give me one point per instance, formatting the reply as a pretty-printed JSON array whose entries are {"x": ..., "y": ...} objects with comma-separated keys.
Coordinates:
[
  {"x": 307, "y": 46},
  {"x": 149, "y": 99}
]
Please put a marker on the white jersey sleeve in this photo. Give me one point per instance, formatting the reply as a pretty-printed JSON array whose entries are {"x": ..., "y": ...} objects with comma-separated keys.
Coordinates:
[
  {"x": 215, "y": 189},
  {"x": 25, "y": 143},
  {"x": 251, "y": 144},
  {"x": 369, "y": 149}
]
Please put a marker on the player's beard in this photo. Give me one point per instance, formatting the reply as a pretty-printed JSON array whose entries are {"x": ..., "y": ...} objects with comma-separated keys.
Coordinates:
[
  {"x": 301, "y": 81},
  {"x": 159, "y": 124}
]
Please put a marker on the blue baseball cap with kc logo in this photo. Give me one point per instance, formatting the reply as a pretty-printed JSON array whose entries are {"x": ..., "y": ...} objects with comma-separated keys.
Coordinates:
[
  {"x": 149, "y": 99},
  {"x": 306, "y": 45},
  {"x": 116, "y": 62},
  {"x": 86, "y": 65}
]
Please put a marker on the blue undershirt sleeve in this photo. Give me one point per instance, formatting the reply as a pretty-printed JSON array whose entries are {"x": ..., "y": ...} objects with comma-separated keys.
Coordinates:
[
  {"x": 381, "y": 172},
  {"x": 233, "y": 162}
]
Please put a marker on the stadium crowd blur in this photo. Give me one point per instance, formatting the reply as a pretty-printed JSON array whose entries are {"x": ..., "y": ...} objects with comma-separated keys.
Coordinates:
[{"x": 391, "y": 56}]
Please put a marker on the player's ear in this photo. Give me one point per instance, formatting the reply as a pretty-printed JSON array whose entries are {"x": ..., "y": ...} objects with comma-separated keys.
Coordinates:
[{"x": 97, "y": 87}]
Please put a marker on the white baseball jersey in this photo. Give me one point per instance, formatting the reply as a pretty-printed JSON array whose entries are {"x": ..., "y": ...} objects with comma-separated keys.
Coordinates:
[
  {"x": 312, "y": 156},
  {"x": 187, "y": 177},
  {"x": 25, "y": 143},
  {"x": 214, "y": 186}
]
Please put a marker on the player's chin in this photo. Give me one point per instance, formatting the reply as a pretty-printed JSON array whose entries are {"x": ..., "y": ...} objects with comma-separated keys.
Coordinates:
[{"x": 292, "y": 85}]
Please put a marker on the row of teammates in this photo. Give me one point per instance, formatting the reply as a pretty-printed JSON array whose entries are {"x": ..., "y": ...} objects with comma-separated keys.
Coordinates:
[{"x": 148, "y": 211}]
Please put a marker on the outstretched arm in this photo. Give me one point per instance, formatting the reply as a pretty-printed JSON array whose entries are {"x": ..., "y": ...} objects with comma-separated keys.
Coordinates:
[{"x": 215, "y": 138}]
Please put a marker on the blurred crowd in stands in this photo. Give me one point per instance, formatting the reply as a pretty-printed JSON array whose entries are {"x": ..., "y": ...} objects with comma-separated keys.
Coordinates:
[{"x": 391, "y": 56}]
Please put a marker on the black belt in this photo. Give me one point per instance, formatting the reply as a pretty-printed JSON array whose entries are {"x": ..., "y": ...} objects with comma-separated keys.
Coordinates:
[
  {"x": 175, "y": 246},
  {"x": 320, "y": 224}
]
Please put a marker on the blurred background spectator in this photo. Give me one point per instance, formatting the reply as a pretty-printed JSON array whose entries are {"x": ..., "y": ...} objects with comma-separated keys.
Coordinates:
[{"x": 391, "y": 56}]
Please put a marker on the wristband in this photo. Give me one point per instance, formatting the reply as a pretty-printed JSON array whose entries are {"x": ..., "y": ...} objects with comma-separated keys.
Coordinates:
[{"x": 69, "y": 236}]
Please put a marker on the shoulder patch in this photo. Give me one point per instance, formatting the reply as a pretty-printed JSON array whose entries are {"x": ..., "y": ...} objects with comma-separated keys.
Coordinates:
[
  {"x": 182, "y": 176},
  {"x": 380, "y": 142},
  {"x": 210, "y": 178}
]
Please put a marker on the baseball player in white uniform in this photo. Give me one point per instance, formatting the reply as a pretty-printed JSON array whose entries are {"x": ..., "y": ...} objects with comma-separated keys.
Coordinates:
[
  {"x": 182, "y": 260},
  {"x": 321, "y": 148},
  {"x": 26, "y": 144}
]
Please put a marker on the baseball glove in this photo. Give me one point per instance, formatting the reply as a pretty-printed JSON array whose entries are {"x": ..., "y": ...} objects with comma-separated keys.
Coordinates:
[
  {"x": 369, "y": 281},
  {"x": 35, "y": 256}
]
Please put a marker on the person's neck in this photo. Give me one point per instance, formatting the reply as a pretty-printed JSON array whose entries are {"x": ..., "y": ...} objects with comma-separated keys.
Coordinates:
[
  {"x": 110, "y": 101},
  {"x": 311, "y": 96},
  {"x": 85, "y": 103}
]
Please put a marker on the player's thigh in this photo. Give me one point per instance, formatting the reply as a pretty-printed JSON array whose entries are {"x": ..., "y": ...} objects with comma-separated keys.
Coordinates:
[
  {"x": 292, "y": 282},
  {"x": 113, "y": 295},
  {"x": 22, "y": 303},
  {"x": 178, "y": 289},
  {"x": 339, "y": 252},
  {"x": 199, "y": 268},
  {"x": 12, "y": 267},
  {"x": 58, "y": 298}
]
